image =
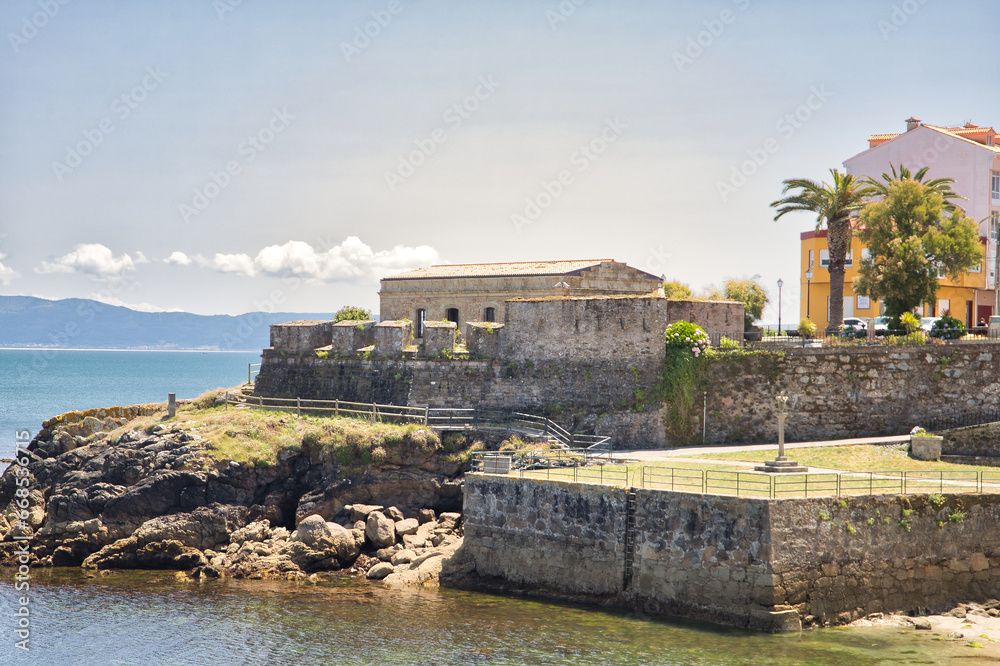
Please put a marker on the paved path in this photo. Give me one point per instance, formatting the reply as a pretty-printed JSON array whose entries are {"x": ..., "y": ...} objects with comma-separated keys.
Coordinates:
[{"x": 647, "y": 455}]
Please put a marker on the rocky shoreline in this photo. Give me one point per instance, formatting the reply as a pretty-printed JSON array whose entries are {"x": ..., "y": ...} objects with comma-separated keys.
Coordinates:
[{"x": 107, "y": 492}]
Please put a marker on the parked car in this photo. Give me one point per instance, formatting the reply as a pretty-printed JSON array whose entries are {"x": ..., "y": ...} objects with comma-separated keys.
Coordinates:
[
  {"x": 857, "y": 323},
  {"x": 881, "y": 325},
  {"x": 927, "y": 323}
]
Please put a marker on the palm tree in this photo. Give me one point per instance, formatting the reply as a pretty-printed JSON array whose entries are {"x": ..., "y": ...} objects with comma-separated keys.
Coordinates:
[
  {"x": 835, "y": 205},
  {"x": 940, "y": 186}
]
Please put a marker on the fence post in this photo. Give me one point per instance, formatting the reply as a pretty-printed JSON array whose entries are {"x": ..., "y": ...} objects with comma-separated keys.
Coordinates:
[
  {"x": 336, "y": 407},
  {"x": 427, "y": 411},
  {"x": 298, "y": 406},
  {"x": 249, "y": 371},
  {"x": 260, "y": 401}
]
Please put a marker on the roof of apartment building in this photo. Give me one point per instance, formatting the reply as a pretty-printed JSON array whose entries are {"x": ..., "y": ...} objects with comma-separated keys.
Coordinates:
[
  {"x": 509, "y": 269},
  {"x": 985, "y": 137}
]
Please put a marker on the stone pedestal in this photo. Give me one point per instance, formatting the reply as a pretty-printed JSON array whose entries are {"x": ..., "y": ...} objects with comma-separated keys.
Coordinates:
[
  {"x": 782, "y": 465},
  {"x": 926, "y": 447}
]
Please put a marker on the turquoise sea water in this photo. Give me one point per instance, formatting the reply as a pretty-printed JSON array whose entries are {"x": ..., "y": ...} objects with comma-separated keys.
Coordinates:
[
  {"x": 38, "y": 384},
  {"x": 154, "y": 618}
]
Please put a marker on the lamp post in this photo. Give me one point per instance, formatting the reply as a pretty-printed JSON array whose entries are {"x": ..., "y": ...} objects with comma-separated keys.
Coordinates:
[
  {"x": 809, "y": 277},
  {"x": 780, "y": 282}
]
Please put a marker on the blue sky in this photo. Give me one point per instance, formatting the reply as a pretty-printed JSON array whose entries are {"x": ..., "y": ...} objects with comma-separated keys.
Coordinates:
[{"x": 219, "y": 156}]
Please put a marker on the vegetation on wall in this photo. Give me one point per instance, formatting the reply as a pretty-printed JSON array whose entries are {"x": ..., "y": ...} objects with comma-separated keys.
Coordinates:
[{"x": 352, "y": 313}]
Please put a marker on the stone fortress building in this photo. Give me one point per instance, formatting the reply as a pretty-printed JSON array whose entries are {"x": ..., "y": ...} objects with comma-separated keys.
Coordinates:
[{"x": 462, "y": 293}]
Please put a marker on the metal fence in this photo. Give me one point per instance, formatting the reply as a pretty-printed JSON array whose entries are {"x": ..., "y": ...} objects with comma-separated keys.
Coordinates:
[
  {"x": 746, "y": 484},
  {"x": 434, "y": 418},
  {"x": 769, "y": 337}
]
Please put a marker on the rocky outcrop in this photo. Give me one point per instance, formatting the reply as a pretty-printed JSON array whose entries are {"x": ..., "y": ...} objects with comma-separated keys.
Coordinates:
[{"x": 104, "y": 495}]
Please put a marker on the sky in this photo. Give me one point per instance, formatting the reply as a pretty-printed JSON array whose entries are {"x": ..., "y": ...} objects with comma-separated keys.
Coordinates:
[{"x": 226, "y": 156}]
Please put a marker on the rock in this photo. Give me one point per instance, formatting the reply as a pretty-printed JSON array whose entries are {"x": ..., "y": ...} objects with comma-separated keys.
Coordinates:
[
  {"x": 205, "y": 527},
  {"x": 362, "y": 511},
  {"x": 380, "y": 530},
  {"x": 437, "y": 539},
  {"x": 958, "y": 611},
  {"x": 385, "y": 554},
  {"x": 311, "y": 530},
  {"x": 256, "y": 531},
  {"x": 404, "y": 556},
  {"x": 449, "y": 521},
  {"x": 394, "y": 513},
  {"x": 921, "y": 623},
  {"x": 380, "y": 571},
  {"x": 414, "y": 541},
  {"x": 420, "y": 559},
  {"x": 425, "y": 516},
  {"x": 359, "y": 525},
  {"x": 407, "y": 526}
]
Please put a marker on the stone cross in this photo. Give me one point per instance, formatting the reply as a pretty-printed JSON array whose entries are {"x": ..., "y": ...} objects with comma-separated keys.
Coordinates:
[{"x": 782, "y": 401}]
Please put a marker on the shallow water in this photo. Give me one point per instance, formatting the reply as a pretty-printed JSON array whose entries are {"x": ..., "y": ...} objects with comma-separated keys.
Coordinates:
[{"x": 154, "y": 618}]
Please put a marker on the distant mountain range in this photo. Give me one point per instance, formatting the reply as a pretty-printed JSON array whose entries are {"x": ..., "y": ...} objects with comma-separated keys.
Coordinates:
[{"x": 26, "y": 321}]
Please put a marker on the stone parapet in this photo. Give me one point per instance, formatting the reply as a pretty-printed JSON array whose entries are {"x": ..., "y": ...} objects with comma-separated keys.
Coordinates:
[
  {"x": 391, "y": 338},
  {"x": 349, "y": 336},
  {"x": 484, "y": 338},
  {"x": 439, "y": 339},
  {"x": 300, "y": 337}
]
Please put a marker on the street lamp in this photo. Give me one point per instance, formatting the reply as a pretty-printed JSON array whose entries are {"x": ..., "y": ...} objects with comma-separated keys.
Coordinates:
[
  {"x": 809, "y": 277},
  {"x": 780, "y": 282}
]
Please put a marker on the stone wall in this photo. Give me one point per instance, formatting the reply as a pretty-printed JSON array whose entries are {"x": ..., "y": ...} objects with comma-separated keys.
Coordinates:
[
  {"x": 301, "y": 336},
  {"x": 769, "y": 565},
  {"x": 349, "y": 336},
  {"x": 391, "y": 338},
  {"x": 981, "y": 441},
  {"x": 439, "y": 338},
  {"x": 716, "y": 317},
  {"x": 847, "y": 392}
]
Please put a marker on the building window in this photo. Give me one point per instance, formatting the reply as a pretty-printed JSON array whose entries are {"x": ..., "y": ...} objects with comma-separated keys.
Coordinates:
[
  {"x": 811, "y": 264},
  {"x": 452, "y": 315},
  {"x": 421, "y": 318},
  {"x": 824, "y": 258},
  {"x": 978, "y": 268},
  {"x": 490, "y": 314},
  {"x": 995, "y": 185}
]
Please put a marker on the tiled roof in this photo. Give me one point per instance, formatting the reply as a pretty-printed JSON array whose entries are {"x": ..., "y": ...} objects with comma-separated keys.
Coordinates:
[
  {"x": 517, "y": 268},
  {"x": 882, "y": 137}
]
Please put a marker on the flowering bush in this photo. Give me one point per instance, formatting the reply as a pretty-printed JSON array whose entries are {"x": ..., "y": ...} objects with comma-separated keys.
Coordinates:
[
  {"x": 948, "y": 328},
  {"x": 685, "y": 335}
]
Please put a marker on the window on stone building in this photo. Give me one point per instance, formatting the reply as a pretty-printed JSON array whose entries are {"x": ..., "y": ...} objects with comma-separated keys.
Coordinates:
[
  {"x": 452, "y": 315},
  {"x": 421, "y": 318},
  {"x": 490, "y": 314}
]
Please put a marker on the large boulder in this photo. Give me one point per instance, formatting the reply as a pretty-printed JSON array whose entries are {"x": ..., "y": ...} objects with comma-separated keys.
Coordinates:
[
  {"x": 380, "y": 571},
  {"x": 407, "y": 526},
  {"x": 380, "y": 530}
]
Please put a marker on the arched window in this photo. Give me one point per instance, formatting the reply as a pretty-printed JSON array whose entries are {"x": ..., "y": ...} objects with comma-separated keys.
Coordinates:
[
  {"x": 452, "y": 315},
  {"x": 421, "y": 318},
  {"x": 490, "y": 314}
]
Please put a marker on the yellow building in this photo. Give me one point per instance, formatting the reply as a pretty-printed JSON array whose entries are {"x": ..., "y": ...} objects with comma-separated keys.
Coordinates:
[{"x": 961, "y": 299}]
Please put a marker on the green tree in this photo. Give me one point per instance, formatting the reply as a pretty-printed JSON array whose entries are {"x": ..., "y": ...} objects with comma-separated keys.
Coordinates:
[
  {"x": 352, "y": 313},
  {"x": 941, "y": 186},
  {"x": 911, "y": 238},
  {"x": 677, "y": 289},
  {"x": 751, "y": 294},
  {"x": 834, "y": 205}
]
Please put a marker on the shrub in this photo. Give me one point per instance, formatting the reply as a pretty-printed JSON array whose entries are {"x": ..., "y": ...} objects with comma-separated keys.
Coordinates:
[
  {"x": 807, "y": 329},
  {"x": 948, "y": 328},
  {"x": 352, "y": 313},
  {"x": 728, "y": 343},
  {"x": 909, "y": 322},
  {"x": 685, "y": 335}
]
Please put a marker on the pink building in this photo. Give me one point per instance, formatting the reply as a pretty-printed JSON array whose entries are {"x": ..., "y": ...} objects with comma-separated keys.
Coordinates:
[{"x": 968, "y": 154}]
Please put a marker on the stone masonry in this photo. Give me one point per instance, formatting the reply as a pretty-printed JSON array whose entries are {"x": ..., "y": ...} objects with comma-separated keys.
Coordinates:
[{"x": 768, "y": 565}]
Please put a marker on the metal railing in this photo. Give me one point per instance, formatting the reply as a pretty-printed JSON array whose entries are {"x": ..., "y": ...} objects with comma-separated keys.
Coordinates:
[
  {"x": 769, "y": 337},
  {"x": 753, "y": 484},
  {"x": 541, "y": 459},
  {"x": 434, "y": 418}
]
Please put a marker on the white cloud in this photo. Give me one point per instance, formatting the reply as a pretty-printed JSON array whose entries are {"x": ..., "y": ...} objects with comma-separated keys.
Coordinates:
[
  {"x": 93, "y": 259},
  {"x": 178, "y": 258},
  {"x": 6, "y": 272},
  {"x": 350, "y": 260},
  {"x": 230, "y": 263}
]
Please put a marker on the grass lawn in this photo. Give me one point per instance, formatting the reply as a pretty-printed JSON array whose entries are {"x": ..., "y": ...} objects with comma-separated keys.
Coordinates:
[{"x": 856, "y": 458}]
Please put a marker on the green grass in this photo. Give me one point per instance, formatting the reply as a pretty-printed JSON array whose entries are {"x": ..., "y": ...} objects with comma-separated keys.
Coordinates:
[{"x": 854, "y": 458}]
